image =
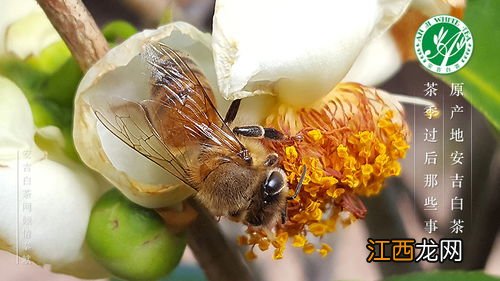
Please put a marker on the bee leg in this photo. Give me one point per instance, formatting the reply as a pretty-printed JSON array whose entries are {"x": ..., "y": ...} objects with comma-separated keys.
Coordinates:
[
  {"x": 256, "y": 131},
  {"x": 250, "y": 131},
  {"x": 284, "y": 215},
  {"x": 273, "y": 134},
  {"x": 232, "y": 111}
]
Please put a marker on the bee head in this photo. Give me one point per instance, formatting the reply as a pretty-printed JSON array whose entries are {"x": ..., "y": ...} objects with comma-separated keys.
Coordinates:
[
  {"x": 266, "y": 205},
  {"x": 274, "y": 184}
]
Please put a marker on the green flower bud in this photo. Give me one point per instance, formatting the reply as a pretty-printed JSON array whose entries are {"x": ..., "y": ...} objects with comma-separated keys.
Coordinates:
[{"x": 131, "y": 241}]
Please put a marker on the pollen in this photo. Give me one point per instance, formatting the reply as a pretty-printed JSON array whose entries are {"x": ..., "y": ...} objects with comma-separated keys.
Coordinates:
[
  {"x": 264, "y": 244},
  {"x": 349, "y": 143},
  {"x": 309, "y": 248},
  {"x": 250, "y": 255},
  {"x": 291, "y": 153},
  {"x": 299, "y": 241},
  {"x": 315, "y": 134},
  {"x": 324, "y": 250},
  {"x": 318, "y": 228},
  {"x": 278, "y": 253}
]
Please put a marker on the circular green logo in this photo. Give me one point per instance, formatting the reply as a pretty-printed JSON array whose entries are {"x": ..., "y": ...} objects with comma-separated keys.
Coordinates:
[{"x": 443, "y": 44}]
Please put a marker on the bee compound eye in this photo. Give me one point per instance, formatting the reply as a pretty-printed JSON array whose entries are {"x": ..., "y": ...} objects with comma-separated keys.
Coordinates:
[{"x": 274, "y": 183}]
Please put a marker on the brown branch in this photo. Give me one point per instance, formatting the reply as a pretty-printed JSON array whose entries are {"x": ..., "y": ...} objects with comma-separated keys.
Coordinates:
[
  {"x": 149, "y": 12},
  {"x": 219, "y": 260},
  {"x": 78, "y": 29},
  {"x": 206, "y": 241},
  {"x": 216, "y": 256}
]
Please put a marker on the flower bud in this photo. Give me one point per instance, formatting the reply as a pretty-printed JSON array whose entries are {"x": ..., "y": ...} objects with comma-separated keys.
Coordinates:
[{"x": 131, "y": 241}]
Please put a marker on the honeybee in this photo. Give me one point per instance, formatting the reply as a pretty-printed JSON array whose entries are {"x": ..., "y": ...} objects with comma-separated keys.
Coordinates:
[{"x": 179, "y": 129}]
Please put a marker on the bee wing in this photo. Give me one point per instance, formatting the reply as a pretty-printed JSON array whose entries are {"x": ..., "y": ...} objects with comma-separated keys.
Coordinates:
[
  {"x": 129, "y": 121},
  {"x": 180, "y": 114},
  {"x": 182, "y": 102}
]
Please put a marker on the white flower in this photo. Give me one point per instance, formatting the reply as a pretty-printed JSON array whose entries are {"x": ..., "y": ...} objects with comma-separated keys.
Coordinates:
[
  {"x": 122, "y": 72},
  {"x": 307, "y": 46},
  {"x": 436, "y": 7},
  {"x": 46, "y": 199},
  {"x": 378, "y": 61},
  {"x": 384, "y": 56},
  {"x": 289, "y": 48},
  {"x": 24, "y": 28}
]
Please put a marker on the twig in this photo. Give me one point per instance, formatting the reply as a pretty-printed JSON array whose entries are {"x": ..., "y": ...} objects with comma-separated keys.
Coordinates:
[
  {"x": 149, "y": 12},
  {"x": 79, "y": 31},
  {"x": 218, "y": 259}
]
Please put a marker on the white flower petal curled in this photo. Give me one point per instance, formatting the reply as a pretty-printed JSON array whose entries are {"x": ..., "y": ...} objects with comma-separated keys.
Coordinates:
[
  {"x": 122, "y": 72},
  {"x": 293, "y": 47},
  {"x": 378, "y": 61}
]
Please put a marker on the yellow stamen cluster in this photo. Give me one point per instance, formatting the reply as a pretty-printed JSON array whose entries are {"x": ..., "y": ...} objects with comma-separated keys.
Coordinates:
[{"x": 349, "y": 143}]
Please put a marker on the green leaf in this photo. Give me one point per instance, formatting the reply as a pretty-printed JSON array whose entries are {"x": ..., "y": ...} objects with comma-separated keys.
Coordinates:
[
  {"x": 445, "y": 276},
  {"x": 49, "y": 95},
  {"x": 27, "y": 77},
  {"x": 61, "y": 86},
  {"x": 50, "y": 88},
  {"x": 51, "y": 58},
  {"x": 118, "y": 31},
  {"x": 41, "y": 115},
  {"x": 481, "y": 75}
]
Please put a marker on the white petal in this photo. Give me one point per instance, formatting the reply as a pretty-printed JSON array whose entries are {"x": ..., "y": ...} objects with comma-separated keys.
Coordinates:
[
  {"x": 378, "y": 61},
  {"x": 16, "y": 123},
  {"x": 122, "y": 73},
  {"x": 52, "y": 134},
  {"x": 24, "y": 28},
  {"x": 30, "y": 35},
  {"x": 431, "y": 7},
  {"x": 13, "y": 10},
  {"x": 307, "y": 46},
  {"x": 50, "y": 204},
  {"x": 60, "y": 197}
]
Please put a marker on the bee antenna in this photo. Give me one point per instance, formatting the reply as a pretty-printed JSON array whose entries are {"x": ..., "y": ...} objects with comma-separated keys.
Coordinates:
[{"x": 299, "y": 185}]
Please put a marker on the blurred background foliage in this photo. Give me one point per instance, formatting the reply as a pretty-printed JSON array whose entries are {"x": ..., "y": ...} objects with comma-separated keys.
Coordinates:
[{"x": 480, "y": 74}]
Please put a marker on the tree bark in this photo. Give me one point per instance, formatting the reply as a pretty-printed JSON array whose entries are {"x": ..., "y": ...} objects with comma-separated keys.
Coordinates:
[{"x": 78, "y": 29}]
